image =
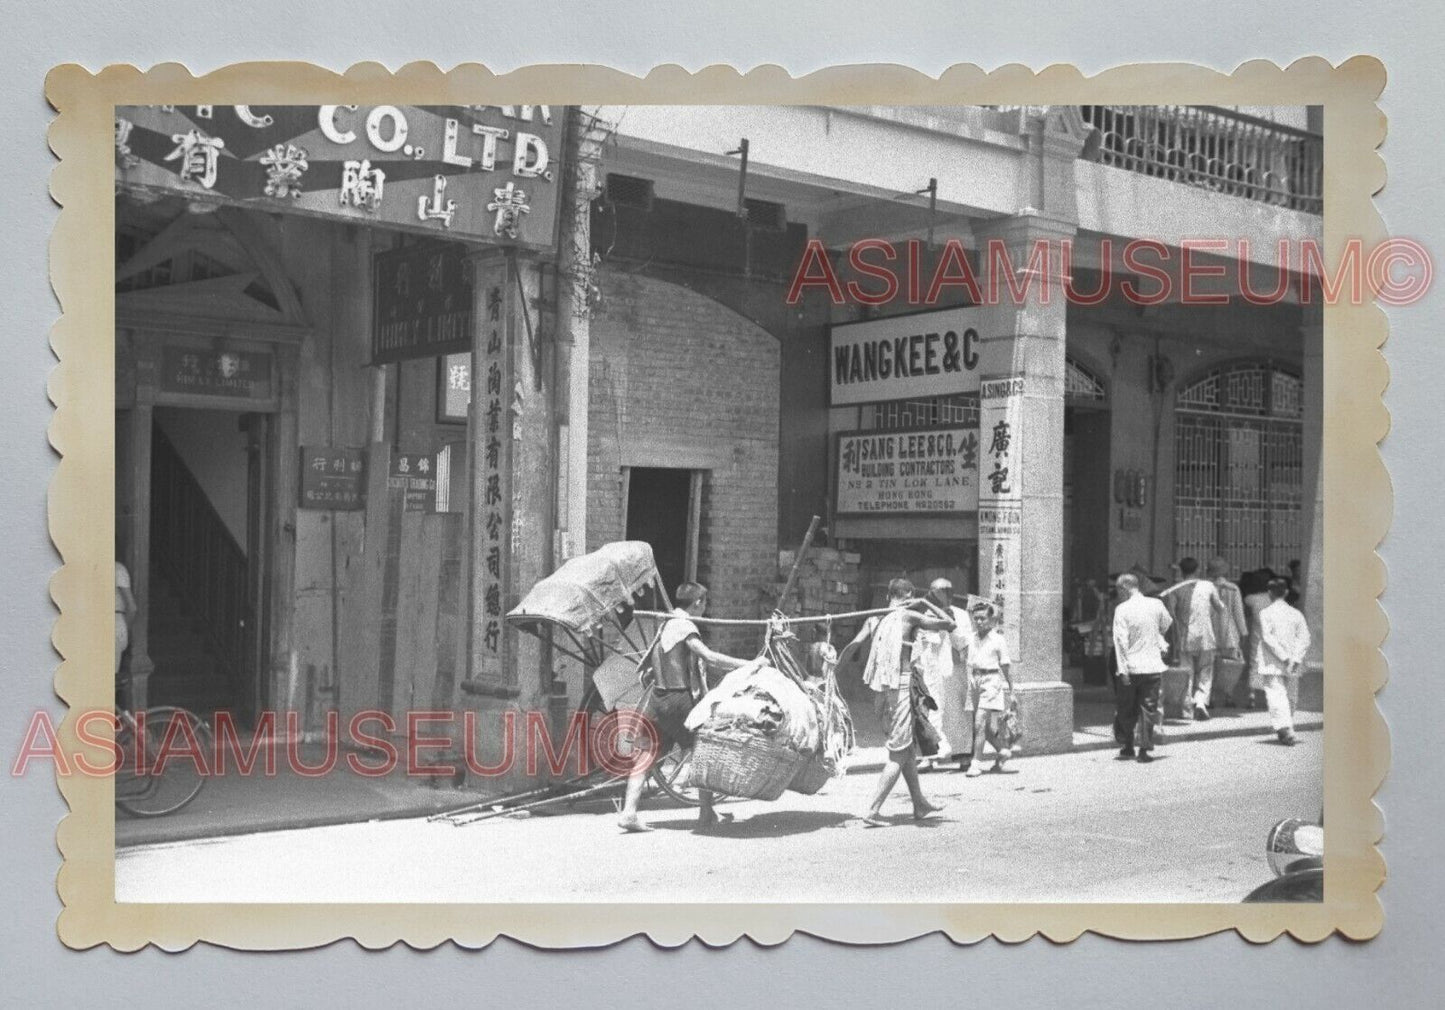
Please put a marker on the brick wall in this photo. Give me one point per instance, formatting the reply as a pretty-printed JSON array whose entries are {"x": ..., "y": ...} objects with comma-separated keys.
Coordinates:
[{"x": 679, "y": 380}]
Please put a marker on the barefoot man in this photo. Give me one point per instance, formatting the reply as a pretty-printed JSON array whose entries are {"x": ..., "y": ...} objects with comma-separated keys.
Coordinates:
[
  {"x": 678, "y": 686},
  {"x": 890, "y": 673}
]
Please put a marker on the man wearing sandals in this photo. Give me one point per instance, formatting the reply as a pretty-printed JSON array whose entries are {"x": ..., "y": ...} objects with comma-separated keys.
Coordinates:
[
  {"x": 678, "y": 684},
  {"x": 890, "y": 672}
]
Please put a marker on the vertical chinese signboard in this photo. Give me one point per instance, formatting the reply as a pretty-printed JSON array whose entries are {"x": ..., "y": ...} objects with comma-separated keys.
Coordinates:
[
  {"x": 1000, "y": 498},
  {"x": 491, "y": 433}
]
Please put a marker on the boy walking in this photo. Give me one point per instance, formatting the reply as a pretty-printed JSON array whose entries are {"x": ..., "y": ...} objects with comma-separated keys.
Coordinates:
[
  {"x": 990, "y": 688},
  {"x": 1284, "y": 640}
]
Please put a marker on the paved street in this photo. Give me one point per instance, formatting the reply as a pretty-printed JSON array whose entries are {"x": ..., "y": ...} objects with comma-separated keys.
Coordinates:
[{"x": 1189, "y": 827}]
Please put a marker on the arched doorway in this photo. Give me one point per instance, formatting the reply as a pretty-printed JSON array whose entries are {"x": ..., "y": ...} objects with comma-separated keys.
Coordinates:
[
  {"x": 1086, "y": 486},
  {"x": 1238, "y": 479}
]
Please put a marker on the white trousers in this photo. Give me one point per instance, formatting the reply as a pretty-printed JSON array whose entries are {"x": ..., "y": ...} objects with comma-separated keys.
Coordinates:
[
  {"x": 1279, "y": 694},
  {"x": 952, "y": 720}
]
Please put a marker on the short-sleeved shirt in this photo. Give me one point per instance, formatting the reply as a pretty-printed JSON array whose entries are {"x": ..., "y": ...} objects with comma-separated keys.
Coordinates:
[{"x": 989, "y": 652}]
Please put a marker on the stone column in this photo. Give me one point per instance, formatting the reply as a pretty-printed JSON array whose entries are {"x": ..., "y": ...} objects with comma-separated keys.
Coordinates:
[
  {"x": 1025, "y": 338},
  {"x": 1312, "y": 592}
]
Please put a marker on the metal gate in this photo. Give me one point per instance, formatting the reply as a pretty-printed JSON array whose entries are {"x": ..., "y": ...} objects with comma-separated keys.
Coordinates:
[{"x": 1238, "y": 484}]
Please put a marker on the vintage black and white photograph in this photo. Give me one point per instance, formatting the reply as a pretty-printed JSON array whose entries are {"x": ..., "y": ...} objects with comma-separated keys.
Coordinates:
[{"x": 719, "y": 503}]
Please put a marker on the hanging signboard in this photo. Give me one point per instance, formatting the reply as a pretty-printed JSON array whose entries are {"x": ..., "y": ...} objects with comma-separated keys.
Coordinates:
[
  {"x": 422, "y": 302},
  {"x": 332, "y": 478},
  {"x": 1000, "y": 499},
  {"x": 904, "y": 357},
  {"x": 414, "y": 474},
  {"x": 482, "y": 173},
  {"x": 916, "y": 472}
]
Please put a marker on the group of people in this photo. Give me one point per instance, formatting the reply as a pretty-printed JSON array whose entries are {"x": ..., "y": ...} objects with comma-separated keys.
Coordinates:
[
  {"x": 943, "y": 686},
  {"x": 1212, "y": 618},
  {"x": 938, "y": 672}
]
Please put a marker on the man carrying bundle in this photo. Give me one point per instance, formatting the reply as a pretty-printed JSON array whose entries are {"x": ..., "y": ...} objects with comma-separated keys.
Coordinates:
[
  {"x": 890, "y": 672},
  {"x": 678, "y": 684}
]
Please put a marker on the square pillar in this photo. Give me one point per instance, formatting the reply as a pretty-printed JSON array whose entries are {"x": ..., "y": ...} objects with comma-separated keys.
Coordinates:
[
  {"x": 1312, "y": 591},
  {"x": 1021, "y": 435}
]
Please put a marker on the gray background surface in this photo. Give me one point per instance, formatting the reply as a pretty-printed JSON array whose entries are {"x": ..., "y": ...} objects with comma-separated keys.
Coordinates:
[{"x": 1398, "y": 969}]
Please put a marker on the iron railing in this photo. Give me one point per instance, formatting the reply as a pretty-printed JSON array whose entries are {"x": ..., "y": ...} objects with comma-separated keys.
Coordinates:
[{"x": 1214, "y": 149}]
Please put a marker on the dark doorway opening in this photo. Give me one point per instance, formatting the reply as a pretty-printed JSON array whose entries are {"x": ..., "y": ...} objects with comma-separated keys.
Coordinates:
[
  {"x": 660, "y": 504},
  {"x": 206, "y": 557}
]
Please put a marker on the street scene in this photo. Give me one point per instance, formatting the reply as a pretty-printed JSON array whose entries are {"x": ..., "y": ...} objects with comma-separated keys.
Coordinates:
[
  {"x": 1079, "y": 827},
  {"x": 771, "y": 503}
]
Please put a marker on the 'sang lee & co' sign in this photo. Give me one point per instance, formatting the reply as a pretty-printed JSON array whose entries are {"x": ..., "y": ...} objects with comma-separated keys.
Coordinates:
[{"x": 923, "y": 472}]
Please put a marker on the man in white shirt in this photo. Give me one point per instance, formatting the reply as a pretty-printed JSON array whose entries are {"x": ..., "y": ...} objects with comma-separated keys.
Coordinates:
[
  {"x": 943, "y": 658},
  {"x": 1140, "y": 624},
  {"x": 1196, "y": 604},
  {"x": 1284, "y": 641}
]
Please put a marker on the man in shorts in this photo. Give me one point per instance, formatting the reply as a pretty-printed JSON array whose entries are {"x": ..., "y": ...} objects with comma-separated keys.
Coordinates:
[{"x": 677, "y": 687}]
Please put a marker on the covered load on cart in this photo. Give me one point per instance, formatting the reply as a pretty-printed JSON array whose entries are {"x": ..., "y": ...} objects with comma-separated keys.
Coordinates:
[
  {"x": 587, "y": 609},
  {"x": 764, "y": 728}
]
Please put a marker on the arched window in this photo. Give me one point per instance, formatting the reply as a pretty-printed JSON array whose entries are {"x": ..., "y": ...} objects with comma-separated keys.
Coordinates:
[{"x": 1238, "y": 472}]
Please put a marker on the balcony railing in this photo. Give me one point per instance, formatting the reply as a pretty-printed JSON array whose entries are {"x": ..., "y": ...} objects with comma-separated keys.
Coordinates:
[{"x": 1215, "y": 149}]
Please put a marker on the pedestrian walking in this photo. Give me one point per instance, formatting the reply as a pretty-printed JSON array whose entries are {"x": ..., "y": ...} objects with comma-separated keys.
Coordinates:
[
  {"x": 1284, "y": 641},
  {"x": 1229, "y": 634},
  {"x": 1195, "y": 604},
  {"x": 678, "y": 684},
  {"x": 890, "y": 672},
  {"x": 1255, "y": 587},
  {"x": 1140, "y": 626},
  {"x": 991, "y": 688},
  {"x": 943, "y": 658}
]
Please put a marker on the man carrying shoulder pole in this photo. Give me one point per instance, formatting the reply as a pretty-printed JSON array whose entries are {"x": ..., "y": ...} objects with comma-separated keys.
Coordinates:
[{"x": 677, "y": 687}]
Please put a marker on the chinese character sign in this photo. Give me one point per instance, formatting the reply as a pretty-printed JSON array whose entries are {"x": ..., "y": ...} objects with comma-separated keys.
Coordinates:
[
  {"x": 1000, "y": 498},
  {"x": 332, "y": 478},
  {"x": 483, "y": 173},
  {"x": 491, "y": 490},
  {"x": 929, "y": 472}
]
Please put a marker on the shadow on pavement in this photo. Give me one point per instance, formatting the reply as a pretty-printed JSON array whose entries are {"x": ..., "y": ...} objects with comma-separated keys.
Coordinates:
[{"x": 777, "y": 824}]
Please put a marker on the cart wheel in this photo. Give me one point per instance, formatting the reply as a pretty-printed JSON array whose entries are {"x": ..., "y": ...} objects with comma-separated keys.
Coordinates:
[{"x": 671, "y": 776}]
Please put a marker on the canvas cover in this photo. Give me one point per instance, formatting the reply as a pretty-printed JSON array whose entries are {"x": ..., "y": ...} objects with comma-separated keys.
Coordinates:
[{"x": 587, "y": 591}]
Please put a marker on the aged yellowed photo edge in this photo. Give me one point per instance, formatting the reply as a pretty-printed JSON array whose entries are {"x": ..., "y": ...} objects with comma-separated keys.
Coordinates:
[{"x": 81, "y": 502}]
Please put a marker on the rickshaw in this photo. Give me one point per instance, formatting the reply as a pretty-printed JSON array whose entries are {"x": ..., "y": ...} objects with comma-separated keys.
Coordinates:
[{"x": 587, "y": 611}]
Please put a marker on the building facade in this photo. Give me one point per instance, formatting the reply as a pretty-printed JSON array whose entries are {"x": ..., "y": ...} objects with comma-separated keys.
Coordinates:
[{"x": 355, "y": 425}]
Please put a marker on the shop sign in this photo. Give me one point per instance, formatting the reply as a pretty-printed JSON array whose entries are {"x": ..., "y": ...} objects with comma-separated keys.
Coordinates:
[
  {"x": 922, "y": 472},
  {"x": 904, "y": 357},
  {"x": 422, "y": 302},
  {"x": 241, "y": 374},
  {"x": 493, "y": 493},
  {"x": 414, "y": 474},
  {"x": 332, "y": 478},
  {"x": 1000, "y": 499},
  {"x": 483, "y": 173}
]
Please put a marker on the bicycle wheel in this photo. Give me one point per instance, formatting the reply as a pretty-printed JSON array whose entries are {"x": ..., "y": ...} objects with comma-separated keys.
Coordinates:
[
  {"x": 671, "y": 774},
  {"x": 145, "y": 791}
]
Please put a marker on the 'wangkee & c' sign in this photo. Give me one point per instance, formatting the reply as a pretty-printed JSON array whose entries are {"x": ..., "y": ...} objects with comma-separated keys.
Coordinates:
[
  {"x": 906, "y": 357},
  {"x": 931, "y": 471}
]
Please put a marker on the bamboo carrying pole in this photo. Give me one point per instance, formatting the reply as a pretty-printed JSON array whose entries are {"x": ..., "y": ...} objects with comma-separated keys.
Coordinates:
[{"x": 798, "y": 562}]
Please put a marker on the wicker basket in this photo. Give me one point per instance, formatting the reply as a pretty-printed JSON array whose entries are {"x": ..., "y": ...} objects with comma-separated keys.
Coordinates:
[
  {"x": 740, "y": 762},
  {"x": 813, "y": 776}
]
